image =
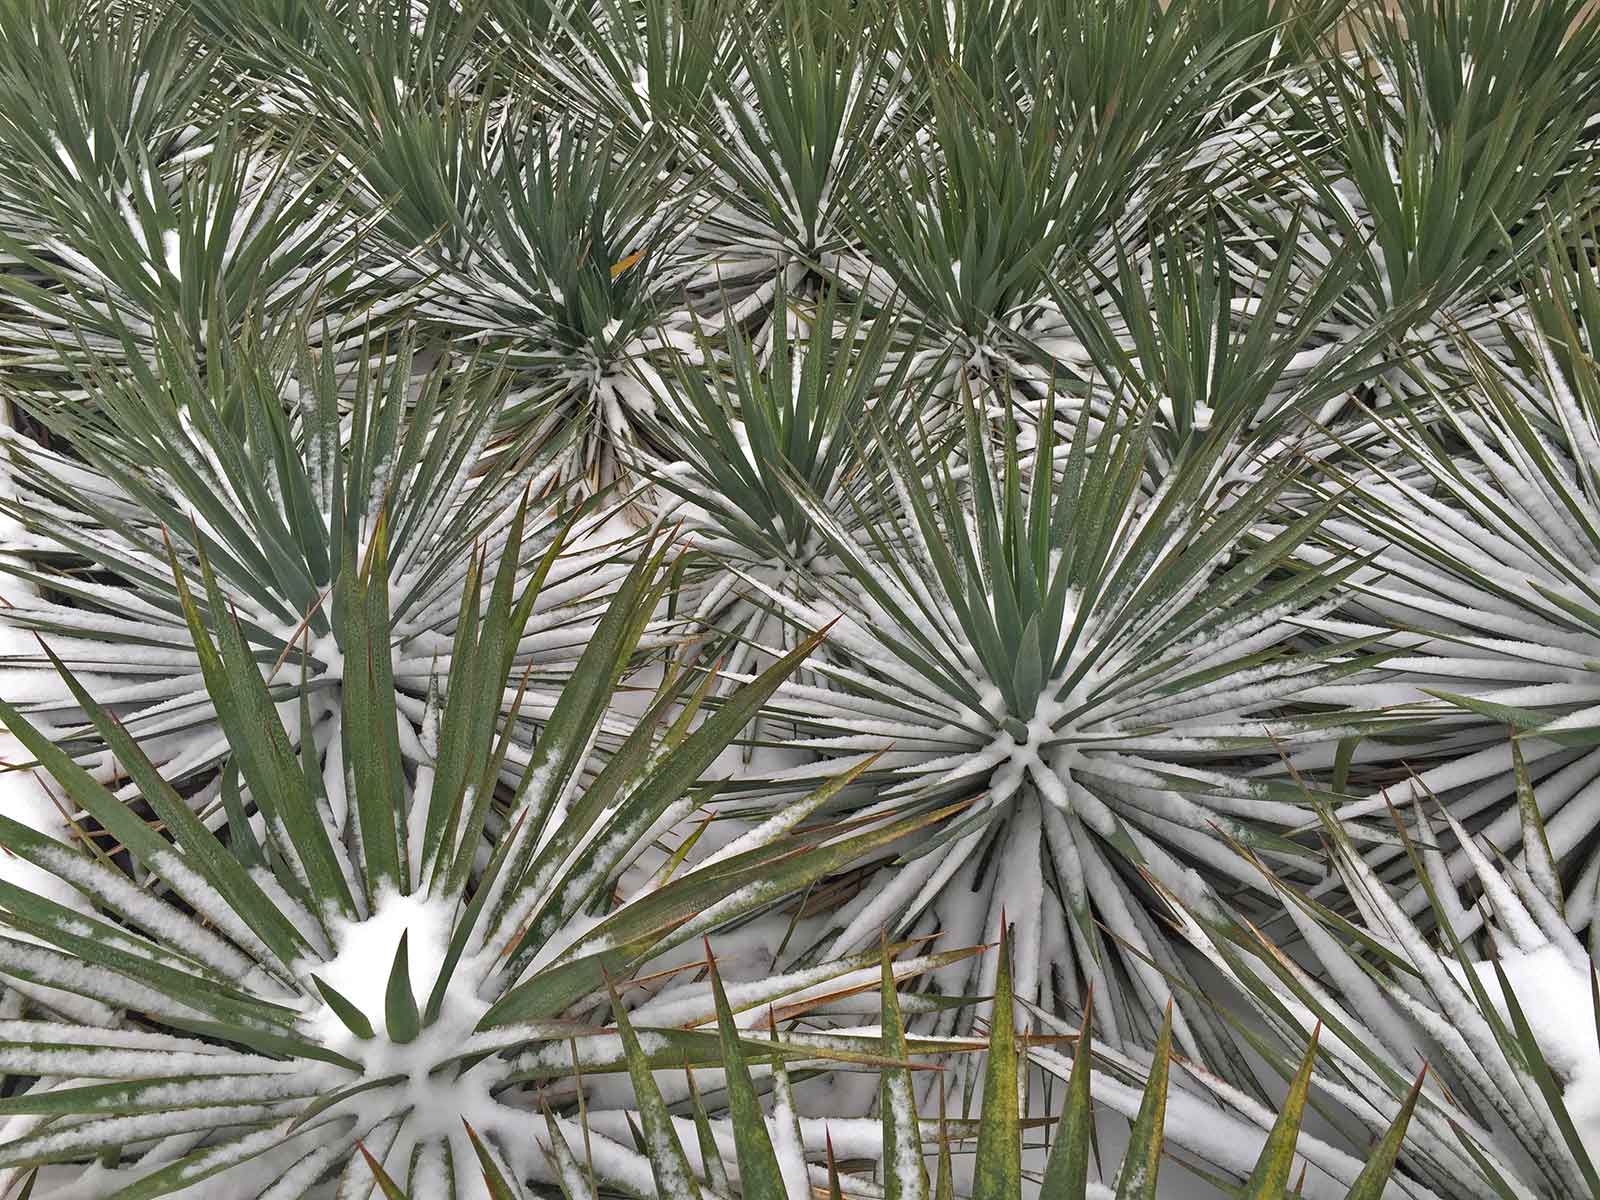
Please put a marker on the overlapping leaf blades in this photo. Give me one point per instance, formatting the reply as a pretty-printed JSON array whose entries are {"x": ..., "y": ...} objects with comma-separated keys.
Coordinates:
[
  {"x": 1059, "y": 651},
  {"x": 769, "y": 1172},
  {"x": 284, "y": 470},
  {"x": 1149, "y": 439},
  {"x": 261, "y": 1054},
  {"x": 1499, "y": 1007}
]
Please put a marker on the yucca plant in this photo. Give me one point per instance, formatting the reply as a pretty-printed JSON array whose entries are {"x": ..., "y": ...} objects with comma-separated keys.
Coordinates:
[
  {"x": 1482, "y": 532},
  {"x": 816, "y": 96},
  {"x": 964, "y": 227},
  {"x": 234, "y": 236},
  {"x": 1036, "y": 159},
  {"x": 127, "y": 203},
  {"x": 770, "y": 1152},
  {"x": 1214, "y": 334},
  {"x": 1181, "y": 417},
  {"x": 747, "y": 446},
  {"x": 405, "y": 975},
  {"x": 641, "y": 70},
  {"x": 93, "y": 87},
  {"x": 545, "y": 242},
  {"x": 1267, "y": 1173},
  {"x": 1279, "y": 39},
  {"x": 1457, "y": 136},
  {"x": 341, "y": 61},
  {"x": 488, "y": 219},
  {"x": 284, "y": 469},
  {"x": 1493, "y": 993},
  {"x": 1100, "y": 677}
]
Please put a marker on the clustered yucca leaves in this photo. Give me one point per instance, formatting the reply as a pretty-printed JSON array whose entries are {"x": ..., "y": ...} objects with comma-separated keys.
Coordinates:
[
  {"x": 1499, "y": 1004},
  {"x": 1068, "y": 658},
  {"x": 998, "y": 1144},
  {"x": 1049, "y": 531},
  {"x": 276, "y": 953},
  {"x": 281, "y": 474}
]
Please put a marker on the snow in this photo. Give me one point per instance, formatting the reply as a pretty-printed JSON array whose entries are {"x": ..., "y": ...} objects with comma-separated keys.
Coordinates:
[
  {"x": 435, "y": 1102},
  {"x": 158, "y": 916},
  {"x": 364, "y": 955},
  {"x": 1556, "y": 997},
  {"x": 1079, "y": 766},
  {"x": 788, "y": 1141},
  {"x": 27, "y": 799},
  {"x": 66, "y": 978}
]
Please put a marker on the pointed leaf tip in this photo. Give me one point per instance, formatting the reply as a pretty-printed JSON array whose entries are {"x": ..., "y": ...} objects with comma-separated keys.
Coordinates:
[
  {"x": 1136, "y": 1179},
  {"x": 1066, "y": 1172},
  {"x": 349, "y": 1015},
  {"x": 400, "y": 1004},
  {"x": 997, "y": 1167},
  {"x": 493, "y": 1178},
  {"x": 1270, "y": 1179},
  {"x": 386, "y": 1184}
]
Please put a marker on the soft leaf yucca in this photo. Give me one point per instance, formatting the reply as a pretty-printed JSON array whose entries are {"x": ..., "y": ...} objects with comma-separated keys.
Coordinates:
[
  {"x": 1098, "y": 675},
  {"x": 1457, "y": 143},
  {"x": 1484, "y": 537},
  {"x": 280, "y": 466},
  {"x": 378, "y": 973},
  {"x": 131, "y": 200},
  {"x": 1181, "y": 415},
  {"x": 545, "y": 242},
  {"x": 769, "y": 1170},
  {"x": 1035, "y": 160},
  {"x": 746, "y": 452},
  {"x": 1498, "y": 998},
  {"x": 642, "y": 71},
  {"x": 805, "y": 110}
]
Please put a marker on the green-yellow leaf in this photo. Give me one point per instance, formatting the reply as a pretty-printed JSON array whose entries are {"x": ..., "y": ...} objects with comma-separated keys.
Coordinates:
[
  {"x": 1136, "y": 1179},
  {"x": 1374, "y": 1177},
  {"x": 997, "y": 1170},
  {"x": 759, "y": 1175},
  {"x": 904, "y": 1177},
  {"x": 1270, "y": 1179},
  {"x": 1066, "y": 1171}
]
